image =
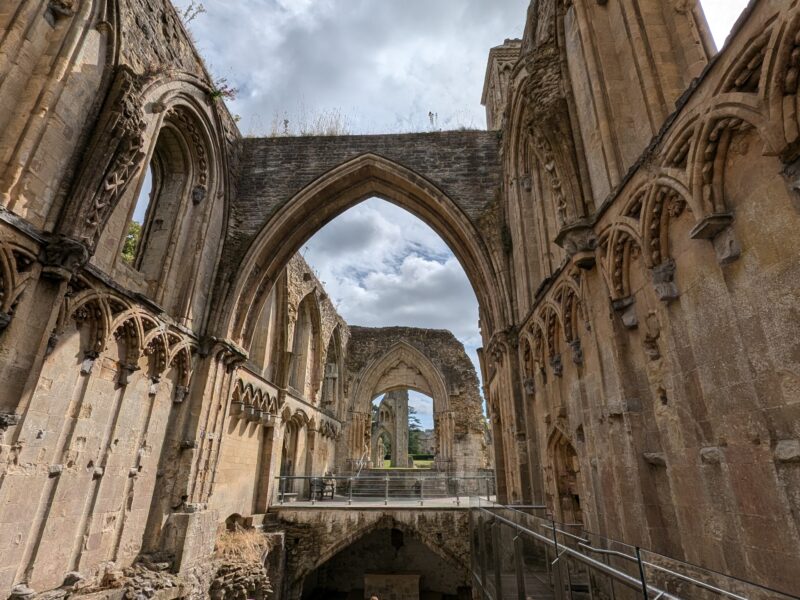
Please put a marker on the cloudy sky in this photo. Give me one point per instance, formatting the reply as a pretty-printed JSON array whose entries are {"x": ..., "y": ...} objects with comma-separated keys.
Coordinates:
[{"x": 374, "y": 66}]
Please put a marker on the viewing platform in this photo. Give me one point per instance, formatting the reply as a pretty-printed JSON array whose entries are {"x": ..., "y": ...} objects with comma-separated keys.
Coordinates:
[{"x": 382, "y": 488}]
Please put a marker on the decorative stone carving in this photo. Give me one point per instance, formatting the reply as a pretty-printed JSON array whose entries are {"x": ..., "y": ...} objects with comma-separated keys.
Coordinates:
[
  {"x": 152, "y": 391},
  {"x": 580, "y": 242},
  {"x": 664, "y": 281},
  {"x": 711, "y": 455},
  {"x": 89, "y": 359},
  {"x": 558, "y": 366},
  {"x": 62, "y": 257},
  {"x": 727, "y": 246},
  {"x": 577, "y": 351},
  {"x": 626, "y": 308},
  {"x": 530, "y": 386},
  {"x": 125, "y": 372},
  {"x": 9, "y": 419},
  {"x": 113, "y": 160},
  {"x": 180, "y": 393}
]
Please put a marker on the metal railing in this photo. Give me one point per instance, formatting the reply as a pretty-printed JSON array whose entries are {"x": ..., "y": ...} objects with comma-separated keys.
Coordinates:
[
  {"x": 519, "y": 552},
  {"x": 399, "y": 487}
]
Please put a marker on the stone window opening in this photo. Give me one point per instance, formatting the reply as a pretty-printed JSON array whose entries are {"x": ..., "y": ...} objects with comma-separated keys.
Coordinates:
[
  {"x": 264, "y": 347},
  {"x": 332, "y": 383},
  {"x": 305, "y": 348},
  {"x": 158, "y": 206}
]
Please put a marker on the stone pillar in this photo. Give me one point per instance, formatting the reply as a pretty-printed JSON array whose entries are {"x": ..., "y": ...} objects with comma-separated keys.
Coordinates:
[{"x": 399, "y": 403}]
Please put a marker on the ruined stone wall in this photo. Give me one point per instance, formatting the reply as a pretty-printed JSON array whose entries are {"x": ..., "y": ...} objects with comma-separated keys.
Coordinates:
[
  {"x": 96, "y": 363},
  {"x": 314, "y": 537},
  {"x": 430, "y": 361},
  {"x": 262, "y": 407},
  {"x": 637, "y": 296},
  {"x": 650, "y": 379}
]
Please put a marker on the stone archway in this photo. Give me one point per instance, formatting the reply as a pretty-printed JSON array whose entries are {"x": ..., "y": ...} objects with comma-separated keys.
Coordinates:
[
  {"x": 566, "y": 476},
  {"x": 432, "y": 362},
  {"x": 283, "y": 223}
]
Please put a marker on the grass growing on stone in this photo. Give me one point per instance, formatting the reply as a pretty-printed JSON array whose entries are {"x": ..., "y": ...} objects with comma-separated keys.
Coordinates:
[{"x": 249, "y": 545}]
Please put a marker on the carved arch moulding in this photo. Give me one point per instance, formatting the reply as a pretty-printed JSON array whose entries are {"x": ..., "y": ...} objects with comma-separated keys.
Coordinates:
[
  {"x": 110, "y": 316},
  {"x": 135, "y": 110}
]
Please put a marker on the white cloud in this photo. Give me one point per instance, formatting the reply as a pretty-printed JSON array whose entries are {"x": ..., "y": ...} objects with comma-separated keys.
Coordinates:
[
  {"x": 383, "y": 266},
  {"x": 721, "y": 15}
]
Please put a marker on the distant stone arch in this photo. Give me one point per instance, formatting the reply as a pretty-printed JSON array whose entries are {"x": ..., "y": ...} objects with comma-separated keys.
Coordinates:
[{"x": 432, "y": 362}]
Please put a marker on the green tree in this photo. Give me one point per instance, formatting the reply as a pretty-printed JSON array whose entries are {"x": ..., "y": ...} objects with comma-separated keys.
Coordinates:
[
  {"x": 414, "y": 430},
  {"x": 131, "y": 242}
]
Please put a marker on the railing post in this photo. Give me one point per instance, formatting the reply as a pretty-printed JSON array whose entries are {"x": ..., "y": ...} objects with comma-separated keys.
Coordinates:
[
  {"x": 484, "y": 555},
  {"x": 488, "y": 499},
  {"x": 498, "y": 561},
  {"x": 519, "y": 565},
  {"x": 558, "y": 582},
  {"x": 641, "y": 573},
  {"x": 386, "y": 494},
  {"x": 350, "y": 492},
  {"x": 422, "y": 491},
  {"x": 282, "y": 488},
  {"x": 458, "y": 500}
]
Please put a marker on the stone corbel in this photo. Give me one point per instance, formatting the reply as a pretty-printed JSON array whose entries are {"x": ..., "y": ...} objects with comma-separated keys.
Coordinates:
[
  {"x": 664, "y": 281},
  {"x": 9, "y": 419},
  {"x": 180, "y": 394},
  {"x": 125, "y": 372},
  {"x": 62, "y": 257},
  {"x": 557, "y": 364},
  {"x": 530, "y": 386},
  {"x": 657, "y": 459},
  {"x": 252, "y": 414},
  {"x": 708, "y": 227},
  {"x": 89, "y": 359},
  {"x": 717, "y": 228},
  {"x": 626, "y": 308},
  {"x": 577, "y": 351},
  {"x": 579, "y": 241},
  {"x": 154, "y": 385}
]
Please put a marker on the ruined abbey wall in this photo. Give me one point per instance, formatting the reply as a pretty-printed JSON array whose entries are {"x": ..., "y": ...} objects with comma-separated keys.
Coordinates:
[
  {"x": 650, "y": 198},
  {"x": 128, "y": 424},
  {"x": 627, "y": 224}
]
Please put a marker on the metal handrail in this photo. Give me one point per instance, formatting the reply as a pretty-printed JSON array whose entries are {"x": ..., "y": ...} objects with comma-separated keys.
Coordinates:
[
  {"x": 686, "y": 578},
  {"x": 620, "y": 576},
  {"x": 415, "y": 486},
  {"x": 585, "y": 545}
]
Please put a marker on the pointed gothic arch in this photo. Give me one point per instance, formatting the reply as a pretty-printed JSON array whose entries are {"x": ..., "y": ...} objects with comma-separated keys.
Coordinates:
[{"x": 367, "y": 175}]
